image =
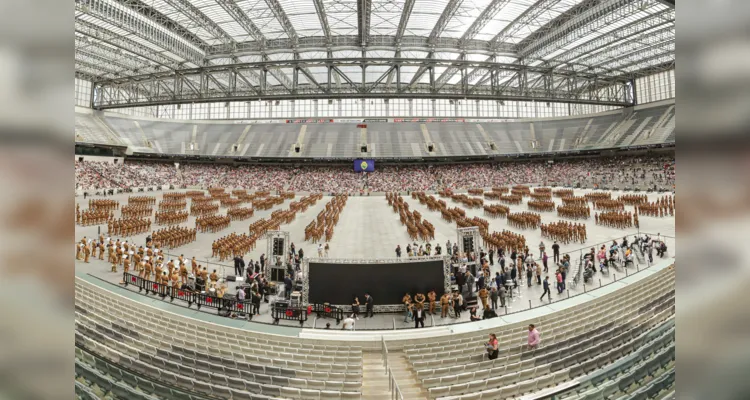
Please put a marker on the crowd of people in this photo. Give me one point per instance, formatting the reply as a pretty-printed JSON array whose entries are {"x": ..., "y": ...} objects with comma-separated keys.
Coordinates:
[{"x": 609, "y": 172}]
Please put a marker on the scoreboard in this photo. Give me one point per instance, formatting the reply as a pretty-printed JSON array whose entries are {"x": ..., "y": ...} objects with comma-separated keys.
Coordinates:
[{"x": 364, "y": 165}]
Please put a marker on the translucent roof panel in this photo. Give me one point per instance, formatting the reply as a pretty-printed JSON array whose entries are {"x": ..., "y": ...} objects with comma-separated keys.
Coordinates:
[
  {"x": 227, "y": 32},
  {"x": 302, "y": 16},
  {"x": 466, "y": 14},
  {"x": 424, "y": 16},
  {"x": 342, "y": 16}
]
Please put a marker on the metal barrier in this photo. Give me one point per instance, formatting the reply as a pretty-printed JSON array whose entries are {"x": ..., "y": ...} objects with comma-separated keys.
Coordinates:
[
  {"x": 200, "y": 299},
  {"x": 290, "y": 313},
  {"x": 328, "y": 311}
]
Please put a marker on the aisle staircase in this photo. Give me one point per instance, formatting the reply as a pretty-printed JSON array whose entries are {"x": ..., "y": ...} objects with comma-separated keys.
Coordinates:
[{"x": 375, "y": 378}]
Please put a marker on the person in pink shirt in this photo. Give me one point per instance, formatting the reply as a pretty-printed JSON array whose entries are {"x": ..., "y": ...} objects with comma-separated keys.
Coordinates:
[{"x": 533, "y": 337}]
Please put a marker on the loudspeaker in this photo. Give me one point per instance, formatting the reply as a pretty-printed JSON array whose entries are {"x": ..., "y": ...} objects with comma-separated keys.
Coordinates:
[
  {"x": 296, "y": 148},
  {"x": 430, "y": 148},
  {"x": 468, "y": 244},
  {"x": 363, "y": 149},
  {"x": 231, "y": 278},
  {"x": 278, "y": 246},
  {"x": 278, "y": 274}
]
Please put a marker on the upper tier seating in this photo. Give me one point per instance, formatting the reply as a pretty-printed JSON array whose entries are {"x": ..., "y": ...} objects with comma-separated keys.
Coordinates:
[{"x": 651, "y": 125}]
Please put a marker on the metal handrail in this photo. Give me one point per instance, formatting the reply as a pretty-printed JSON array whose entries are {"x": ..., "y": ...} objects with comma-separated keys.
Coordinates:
[
  {"x": 384, "y": 352},
  {"x": 393, "y": 387}
]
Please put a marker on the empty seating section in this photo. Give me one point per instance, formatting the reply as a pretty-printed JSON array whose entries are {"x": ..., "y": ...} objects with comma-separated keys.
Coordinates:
[
  {"x": 89, "y": 130},
  {"x": 644, "y": 121},
  {"x": 644, "y": 374},
  {"x": 508, "y": 136},
  {"x": 218, "y": 137},
  {"x": 651, "y": 125},
  {"x": 272, "y": 140},
  {"x": 330, "y": 140},
  {"x": 575, "y": 342},
  {"x": 457, "y": 139},
  {"x": 130, "y": 133},
  {"x": 396, "y": 140},
  {"x": 598, "y": 129},
  {"x": 560, "y": 134},
  {"x": 188, "y": 356}
]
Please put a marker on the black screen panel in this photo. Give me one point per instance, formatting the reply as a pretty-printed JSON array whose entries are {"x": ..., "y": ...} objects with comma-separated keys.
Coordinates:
[{"x": 386, "y": 283}]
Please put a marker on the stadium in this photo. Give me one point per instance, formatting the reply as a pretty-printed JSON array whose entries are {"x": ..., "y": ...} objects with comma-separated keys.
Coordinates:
[{"x": 398, "y": 199}]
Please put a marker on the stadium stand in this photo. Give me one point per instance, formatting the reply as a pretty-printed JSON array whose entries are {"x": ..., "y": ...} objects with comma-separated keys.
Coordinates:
[
  {"x": 644, "y": 126},
  {"x": 158, "y": 355},
  {"x": 575, "y": 343},
  {"x": 620, "y": 347}
]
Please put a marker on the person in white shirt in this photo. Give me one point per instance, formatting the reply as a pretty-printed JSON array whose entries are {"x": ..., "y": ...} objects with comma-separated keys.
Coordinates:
[
  {"x": 348, "y": 324},
  {"x": 320, "y": 250}
]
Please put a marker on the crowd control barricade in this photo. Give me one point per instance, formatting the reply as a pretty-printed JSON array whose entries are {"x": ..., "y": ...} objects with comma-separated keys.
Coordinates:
[
  {"x": 328, "y": 311},
  {"x": 290, "y": 313}
]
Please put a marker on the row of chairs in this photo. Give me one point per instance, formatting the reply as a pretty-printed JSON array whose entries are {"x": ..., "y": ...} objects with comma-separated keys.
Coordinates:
[
  {"x": 121, "y": 308},
  {"x": 98, "y": 308},
  {"x": 544, "y": 354},
  {"x": 223, "y": 369},
  {"x": 574, "y": 365},
  {"x": 646, "y": 368},
  {"x": 575, "y": 361},
  {"x": 203, "y": 382},
  {"x": 108, "y": 380},
  {"x": 597, "y": 318},
  {"x": 338, "y": 359},
  {"x": 572, "y": 315}
]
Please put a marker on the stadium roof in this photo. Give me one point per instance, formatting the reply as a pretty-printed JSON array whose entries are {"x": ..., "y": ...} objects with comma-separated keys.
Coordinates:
[{"x": 145, "y": 52}]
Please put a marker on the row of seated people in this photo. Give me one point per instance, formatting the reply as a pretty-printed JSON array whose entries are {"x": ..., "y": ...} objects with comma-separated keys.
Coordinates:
[{"x": 342, "y": 179}]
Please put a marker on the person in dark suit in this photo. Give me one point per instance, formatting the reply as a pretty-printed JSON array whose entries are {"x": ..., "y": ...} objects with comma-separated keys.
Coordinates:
[
  {"x": 287, "y": 286},
  {"x": 368, "y": 303},
  {"x": 236, "y": 265},
  {"x": 263, "y": 260},
  {"x": 555, "y": 252},
  {"x": 460, "y": 280},
  {"x": 418, "y": 316}
]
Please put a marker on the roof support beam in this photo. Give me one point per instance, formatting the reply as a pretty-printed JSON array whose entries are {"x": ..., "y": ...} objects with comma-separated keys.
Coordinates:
[
  {"x": 448, "y": 12},
  {"x": 664, "y": 19},
  {"x": 306, "y": 72},
  {"x": 380, "y": 79},
  {"x": 197, "y": 16},
  {"x": 321, "y": 11},
  {"x": 486, "y": 16},
  {"x": 591, "y": 15},
  {"x": 231, "y": 7},
  {"x": 364, "y": 13},
  {"x": 634, "y": 58},
  {"x": 634, "y": 45},
  {"x": 281, "y": 16},
  {"x": 405, "y": 14},
  {"x": 214, "y": 83},
  {"x": 527, "y": 17},
  {"x": 234, "y": 11},
  {"x": 346, "y": 78},
  {"x": 98, "y": 33},
  {"x": 147, "y": 28},
  {"x": 114, "y": 56}
]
